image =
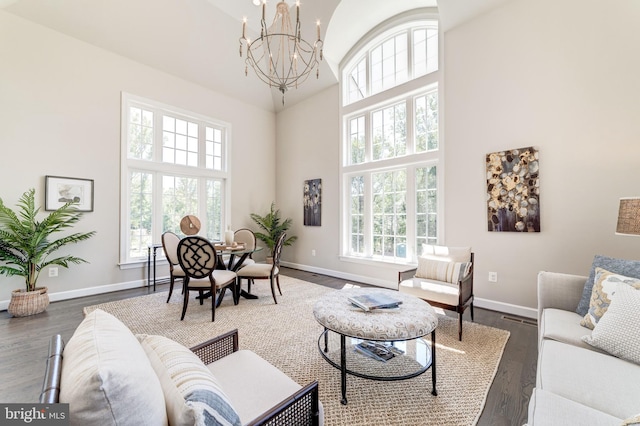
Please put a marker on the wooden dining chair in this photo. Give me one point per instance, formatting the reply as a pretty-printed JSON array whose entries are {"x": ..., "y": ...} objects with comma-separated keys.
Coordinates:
[
  {"x": 170, "y": 246},
  {"x": 264, "y": 271},
  {"x": 197, "y": 257},
  {"x": 248, "y": 238}
]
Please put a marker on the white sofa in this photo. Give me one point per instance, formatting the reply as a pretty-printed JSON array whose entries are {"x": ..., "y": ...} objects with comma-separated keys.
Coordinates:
[
  {"x": 109, "y": 376},
  {"x": 576, "y": 383}
]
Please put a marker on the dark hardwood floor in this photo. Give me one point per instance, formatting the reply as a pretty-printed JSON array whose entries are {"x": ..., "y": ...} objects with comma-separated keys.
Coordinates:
[{"x": 24, "y": 343}]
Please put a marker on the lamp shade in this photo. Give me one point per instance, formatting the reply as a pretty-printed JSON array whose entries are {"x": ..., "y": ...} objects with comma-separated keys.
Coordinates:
[{"x": 629, "y": 216}]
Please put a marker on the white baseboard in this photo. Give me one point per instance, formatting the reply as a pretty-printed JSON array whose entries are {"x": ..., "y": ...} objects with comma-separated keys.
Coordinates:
[
  {"x": 343, "y": 275},
  {"x": 506, "y": 308},
  {"x": 493, "y": 305},
  {"x": 89, "y": 291}
]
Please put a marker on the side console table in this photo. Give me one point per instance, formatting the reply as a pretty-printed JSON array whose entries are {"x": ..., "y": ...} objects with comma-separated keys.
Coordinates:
[
  {"x": 400, "y": 329},
  {"x": 152, "y": 278}
]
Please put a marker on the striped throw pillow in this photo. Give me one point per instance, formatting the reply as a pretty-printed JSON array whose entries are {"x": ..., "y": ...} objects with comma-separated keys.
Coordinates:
[
  {"x": 442, "y": 270},
  {"x": 192, "y": 394}
]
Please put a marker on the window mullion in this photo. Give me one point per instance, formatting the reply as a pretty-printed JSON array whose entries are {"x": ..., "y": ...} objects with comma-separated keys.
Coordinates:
[
  {"x": 368, "y": 215},
  {"x": 411, "y": 142},
  {"x": 156, "y": 218},
  {"x": 368, "y": 150},
  {"x": 411, "y": 213},
  {"x": 410, "y": 54},
  {"x": 157, "y": 136}
]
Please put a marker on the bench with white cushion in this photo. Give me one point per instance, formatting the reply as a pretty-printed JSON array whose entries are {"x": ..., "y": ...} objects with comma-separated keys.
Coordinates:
[{"x": 109, "y": 376}]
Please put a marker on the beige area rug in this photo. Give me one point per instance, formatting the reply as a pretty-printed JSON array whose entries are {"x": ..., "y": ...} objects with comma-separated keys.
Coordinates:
[{"x": 287, "y": 334}]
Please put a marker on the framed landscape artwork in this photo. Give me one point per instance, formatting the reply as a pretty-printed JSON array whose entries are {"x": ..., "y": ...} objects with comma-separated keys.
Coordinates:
[
  {"x": 312, "y": 202},
  {"x": 61, "y": 190},
  {"x": 513, "y": 190}
]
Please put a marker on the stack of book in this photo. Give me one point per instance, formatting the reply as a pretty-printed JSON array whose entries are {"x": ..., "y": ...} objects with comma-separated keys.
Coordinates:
[
  {"x": 377, "y": 351},
  {"x": 369, "y": 302}
]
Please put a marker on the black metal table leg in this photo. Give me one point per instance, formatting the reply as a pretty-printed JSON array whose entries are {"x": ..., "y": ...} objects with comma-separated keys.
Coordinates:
[
  {"x": 155, "y": 252},
  {"x": 148, "y": 266},
  {"x": 326, "y": 340},
  {"x": 343, "y": 369},
  {"x": 434, "y": 392}
]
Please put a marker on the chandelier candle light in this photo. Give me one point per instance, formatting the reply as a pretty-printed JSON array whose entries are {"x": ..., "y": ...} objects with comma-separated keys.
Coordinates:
[{"x": 280, "y": 56}]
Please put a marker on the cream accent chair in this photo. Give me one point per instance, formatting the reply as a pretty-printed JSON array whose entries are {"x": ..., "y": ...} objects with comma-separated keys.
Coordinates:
[
  {"x": 170, "y": 246},
  {"x": 197, "y": 257},
  {"x": 443, "y": 278},
  {"x": 248, "y": 238},
  {"x": 264, "y": 271}
]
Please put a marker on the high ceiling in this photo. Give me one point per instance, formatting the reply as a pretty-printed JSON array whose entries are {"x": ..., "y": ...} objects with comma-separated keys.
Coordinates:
[{"x": 197, "y": 40}]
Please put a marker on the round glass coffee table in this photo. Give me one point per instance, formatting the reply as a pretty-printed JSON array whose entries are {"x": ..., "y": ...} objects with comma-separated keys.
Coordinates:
[{"x": 382, "y": 344}]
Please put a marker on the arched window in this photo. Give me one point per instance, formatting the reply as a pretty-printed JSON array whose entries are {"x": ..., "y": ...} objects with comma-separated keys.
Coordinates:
[
  {"x": 403, "y": 53},
  {"x": 391, "y": 158}
]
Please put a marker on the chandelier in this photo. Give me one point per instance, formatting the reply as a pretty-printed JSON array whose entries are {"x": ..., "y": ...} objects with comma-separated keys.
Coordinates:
[{"x": 280, "y": 56}]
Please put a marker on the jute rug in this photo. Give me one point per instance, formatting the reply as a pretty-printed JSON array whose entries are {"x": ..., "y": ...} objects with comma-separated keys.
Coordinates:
[{"x": 286, "y": 335}]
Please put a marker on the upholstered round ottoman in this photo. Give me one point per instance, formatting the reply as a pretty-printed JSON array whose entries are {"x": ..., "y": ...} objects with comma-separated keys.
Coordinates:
[{"x": 381, "y": 344}]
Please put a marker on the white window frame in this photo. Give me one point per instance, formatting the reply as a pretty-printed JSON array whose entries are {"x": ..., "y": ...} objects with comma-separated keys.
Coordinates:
[
  {"x": 157, "y": 168},
  {"x": 407, "y": 92}
]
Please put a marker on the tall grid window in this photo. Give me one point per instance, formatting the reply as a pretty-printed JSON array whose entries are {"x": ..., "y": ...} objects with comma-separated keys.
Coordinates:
[
  {"x": 391, "y": 162},
  {"x": 174, "y": 164}
]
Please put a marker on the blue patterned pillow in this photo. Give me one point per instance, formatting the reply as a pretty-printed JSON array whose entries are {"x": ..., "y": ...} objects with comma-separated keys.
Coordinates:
[
  {"x": 630, "y": 268},
  {"x": 211, "y": 408}
]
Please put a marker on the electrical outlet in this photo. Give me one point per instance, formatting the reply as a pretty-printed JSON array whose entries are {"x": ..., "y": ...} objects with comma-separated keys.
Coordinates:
[
  {"x": 313, "y": 252},
  {"x": 53, "y": 272},
  {"x": 493, "y": 277}
]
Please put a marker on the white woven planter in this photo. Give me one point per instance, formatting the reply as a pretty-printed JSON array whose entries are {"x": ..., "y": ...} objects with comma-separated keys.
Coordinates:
[{"x": 24, "y": 303}]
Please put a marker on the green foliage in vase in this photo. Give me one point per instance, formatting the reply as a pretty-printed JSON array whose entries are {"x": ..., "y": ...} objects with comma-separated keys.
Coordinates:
[
  {"x": 26, "y": 244},
  {"x": 273, "y": 226}
]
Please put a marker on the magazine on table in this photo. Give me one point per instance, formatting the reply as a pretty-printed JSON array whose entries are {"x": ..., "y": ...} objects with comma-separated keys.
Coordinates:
[
  {"x": 375, "y": 350},
  {"x": 368, "y": 302}
]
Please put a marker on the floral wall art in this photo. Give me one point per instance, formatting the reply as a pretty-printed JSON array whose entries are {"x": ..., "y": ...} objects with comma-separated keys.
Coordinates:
[
  {"x": 312, "y": 202},
  {"x": 513, "y": 191}
]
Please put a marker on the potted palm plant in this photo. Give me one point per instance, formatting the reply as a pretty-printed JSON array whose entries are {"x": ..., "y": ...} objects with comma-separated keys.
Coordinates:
[
  {"x": 273, "y": 226},
  {"x": 26, "y": 246}
]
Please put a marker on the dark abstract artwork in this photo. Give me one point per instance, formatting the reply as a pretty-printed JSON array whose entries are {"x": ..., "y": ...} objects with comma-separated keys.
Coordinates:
[
  {"x": 312, "y": 202},
  {"x": 513, "y": 190}
]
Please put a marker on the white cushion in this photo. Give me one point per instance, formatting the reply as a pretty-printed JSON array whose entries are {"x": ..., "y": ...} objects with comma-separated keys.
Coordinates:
[
  {"x": 563, "y": 326},
  {"x": 546, "y": 408},
  {"x": 618, "y": 331},
  {"x": 594, "y": 379},
  {"x": 256, "y": 270},
  {"x": 222, "y": 277},
  {"x": 177, "y": 271},
  {"x": 252, "y": 384},
  {"x": 435, "y": 291},
  {"x": 452, "y": 254},
  {"x": 107, "y": 378},
  {"x": 185, "y": 379},
  {"x": 245, "y": 262}
]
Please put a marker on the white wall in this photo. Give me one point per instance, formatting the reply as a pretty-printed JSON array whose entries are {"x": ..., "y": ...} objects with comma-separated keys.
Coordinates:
[
  {"x": 561, "y": 76},
  {"x": 60, "y": 115}
]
